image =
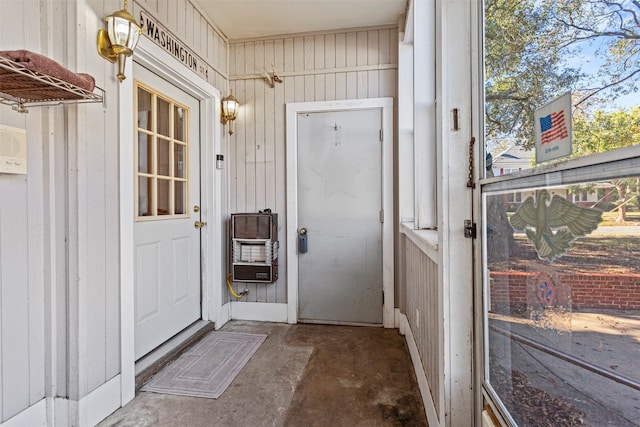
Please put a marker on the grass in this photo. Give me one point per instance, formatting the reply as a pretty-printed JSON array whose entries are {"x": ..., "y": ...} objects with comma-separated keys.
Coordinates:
[
  {"x": 592, "y": 254},
  {"x": 609, "y": 218}
]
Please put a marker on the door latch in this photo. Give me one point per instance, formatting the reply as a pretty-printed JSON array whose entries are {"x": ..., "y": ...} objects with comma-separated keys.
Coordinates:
[
  {"x": 302, "y": 241},
  {"x": 470, "y": 231},
  {"x": 199, "y": 224}
]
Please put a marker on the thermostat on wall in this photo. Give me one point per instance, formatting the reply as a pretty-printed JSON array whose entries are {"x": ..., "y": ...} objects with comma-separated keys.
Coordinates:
[{"x": 13, "y": 150}]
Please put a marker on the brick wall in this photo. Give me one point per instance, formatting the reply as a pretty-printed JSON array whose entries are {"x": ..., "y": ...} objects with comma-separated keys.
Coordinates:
[{"x": 609, "y": 291}]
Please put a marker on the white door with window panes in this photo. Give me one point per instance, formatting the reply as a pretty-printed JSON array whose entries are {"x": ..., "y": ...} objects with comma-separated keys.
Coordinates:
[{"x": 167, "y": 211}]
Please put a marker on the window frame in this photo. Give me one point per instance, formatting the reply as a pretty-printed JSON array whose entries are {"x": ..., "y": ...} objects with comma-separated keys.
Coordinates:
[{"x": 153, "y": 175}]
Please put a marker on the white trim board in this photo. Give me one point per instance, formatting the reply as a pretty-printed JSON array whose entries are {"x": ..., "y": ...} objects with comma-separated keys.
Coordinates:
[
  {"x": 90, "y": 410},
  {"x": 100, "y": 403},
  {"x": 293, "y": 109},
  {"x": 258, "y": 311},
  {"x": 224, "y": 315},
  {"x": 34, "y": 415},
  {"x": 423, "y": 384},
  {"x": 161, "y": 63}
]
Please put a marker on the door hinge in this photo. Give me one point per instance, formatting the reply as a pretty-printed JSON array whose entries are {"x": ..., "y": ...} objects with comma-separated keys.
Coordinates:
[
  {"x": 382, "y": 216},
  {"x": 470, "y": 231},
  {"x": 381, "y": 135},
  {"x": 383, "y": 298}
]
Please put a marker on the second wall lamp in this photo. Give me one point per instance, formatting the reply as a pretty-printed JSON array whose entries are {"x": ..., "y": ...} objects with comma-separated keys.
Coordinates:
[
  {"x": 230, "y": 107},
  {"x": 117, "y": 42}
]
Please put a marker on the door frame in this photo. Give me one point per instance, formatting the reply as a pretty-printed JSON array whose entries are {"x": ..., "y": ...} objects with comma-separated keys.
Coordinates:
[
  {"x": 292, "y": 111},
  {"x": 212, "y": 198}
]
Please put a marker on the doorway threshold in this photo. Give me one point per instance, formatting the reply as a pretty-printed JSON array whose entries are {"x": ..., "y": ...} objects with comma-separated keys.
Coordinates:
[{"x": 166, "y": 353}]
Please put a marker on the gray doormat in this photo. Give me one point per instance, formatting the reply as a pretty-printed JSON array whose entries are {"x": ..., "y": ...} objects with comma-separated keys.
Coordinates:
[{"x": 207, "y": 369}]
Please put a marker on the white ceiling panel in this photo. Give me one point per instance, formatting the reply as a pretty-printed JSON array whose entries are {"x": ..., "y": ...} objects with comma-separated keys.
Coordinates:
[{"x": 240, "y": 19}]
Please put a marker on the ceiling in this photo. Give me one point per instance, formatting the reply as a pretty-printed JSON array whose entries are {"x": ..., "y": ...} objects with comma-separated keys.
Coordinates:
[{"x": 241, "y": 19}]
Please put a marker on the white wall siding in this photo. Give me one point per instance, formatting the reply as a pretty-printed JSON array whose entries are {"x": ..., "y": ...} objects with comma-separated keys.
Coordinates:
[
  {"x": 314, "y": 67},
  {"x": 59, "y": 224},
  {"x": 21, "y": 293},
  {"x": 92, "y": 288},
  {"x": 22, "y": 327},
  {"x": 424, "y": 313}
]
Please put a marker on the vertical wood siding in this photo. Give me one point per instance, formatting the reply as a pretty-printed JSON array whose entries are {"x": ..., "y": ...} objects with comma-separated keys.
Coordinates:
[
  {"x": 423, "y": 312},
  {"x": 321, "y": 67},
  {"x": 59, "y": 248},
  {"x": 22, "y": 223},
  {"x": 94, "y": 198}
]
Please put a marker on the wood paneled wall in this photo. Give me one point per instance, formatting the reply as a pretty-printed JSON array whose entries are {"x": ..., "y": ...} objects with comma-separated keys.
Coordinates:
[
  {"x": 59, "y": 224},
  {"x": 23, "y": 239},
  {"x": 423, "y": 296},
  {"x": 350, "y": 64}
]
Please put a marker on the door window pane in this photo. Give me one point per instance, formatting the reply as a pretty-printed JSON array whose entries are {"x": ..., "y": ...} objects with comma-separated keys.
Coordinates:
[
  {"x": 145, "y": 196},
  {"x": 164, "y": 197},
  {"x": 145, "y": 117},
  {"x": 179, "y": 124},
  {"x": 162, "y": 151},
  {"x": 180, "y": 197},
  {"x": 179, "y": 157},
  {"x": 145, "y": 152},
  {"x": 164, "y": 123}
]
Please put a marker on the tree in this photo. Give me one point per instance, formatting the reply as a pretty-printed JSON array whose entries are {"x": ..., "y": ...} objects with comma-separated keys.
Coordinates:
[
  {"x": 521, "y": 72},
  {"x": 528, "y": 46},
  {"x": 604, "y": 131},
  {"x": 615, "y": 27}
]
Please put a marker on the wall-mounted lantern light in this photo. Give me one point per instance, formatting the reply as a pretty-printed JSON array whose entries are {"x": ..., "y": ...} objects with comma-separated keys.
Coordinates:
[
  {"x": 117, "y": 42},
  {"x": 230, "y": 106}
]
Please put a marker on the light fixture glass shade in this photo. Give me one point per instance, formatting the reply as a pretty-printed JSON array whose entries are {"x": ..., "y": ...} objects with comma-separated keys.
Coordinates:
[
  {"x": 123, "y": 32},
  {"x": 230, "y": 106},
  {"x": 117, "y": 42}
]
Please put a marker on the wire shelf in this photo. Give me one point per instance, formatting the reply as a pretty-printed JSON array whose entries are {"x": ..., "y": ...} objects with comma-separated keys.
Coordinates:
[{"x": 21, "y": 87}]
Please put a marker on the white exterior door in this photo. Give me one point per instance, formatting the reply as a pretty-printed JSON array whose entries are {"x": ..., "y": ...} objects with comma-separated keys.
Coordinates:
[
  {"x": 339, "y": 208},
  {"x": 167, "y": 209}
]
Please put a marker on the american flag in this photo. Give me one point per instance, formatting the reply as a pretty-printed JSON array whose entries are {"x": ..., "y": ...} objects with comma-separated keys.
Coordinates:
[{"x": 553, "y": 127}]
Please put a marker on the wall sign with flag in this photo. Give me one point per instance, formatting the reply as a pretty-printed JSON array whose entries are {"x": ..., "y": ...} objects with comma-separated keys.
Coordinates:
[{"x": 553, "y": 129}]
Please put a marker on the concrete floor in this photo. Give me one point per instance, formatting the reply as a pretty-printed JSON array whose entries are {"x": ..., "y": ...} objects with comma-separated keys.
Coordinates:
[{"x": 302, "y": 375}]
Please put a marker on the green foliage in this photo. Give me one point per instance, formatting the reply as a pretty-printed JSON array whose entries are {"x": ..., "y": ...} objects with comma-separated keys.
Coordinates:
[
  {"x": 612, "y": 27},
  {"x": 604, "y": 131},
  {"x": 521, "y": 72},
  {"x": 528, "y": 44}
]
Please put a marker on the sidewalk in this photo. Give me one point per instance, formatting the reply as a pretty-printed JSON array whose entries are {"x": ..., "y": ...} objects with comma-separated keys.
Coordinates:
[{"x": 605, "y": 338}]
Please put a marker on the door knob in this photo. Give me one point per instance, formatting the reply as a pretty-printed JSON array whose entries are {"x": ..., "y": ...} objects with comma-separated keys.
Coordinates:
[{"x": 199, "y": 224}]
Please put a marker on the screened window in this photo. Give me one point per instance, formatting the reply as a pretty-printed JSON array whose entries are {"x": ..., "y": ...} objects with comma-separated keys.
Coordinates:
[
  {"x": 562, "y": 315},
  {"x": 162, "y": 148},
  {"x": 561, "y": 281},
  {"x": 537, "y": 51}
]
